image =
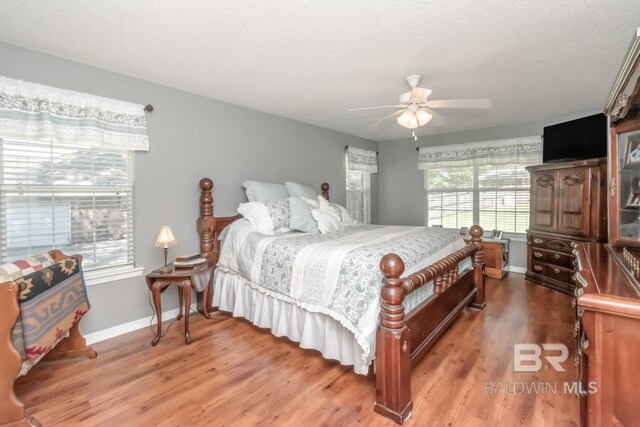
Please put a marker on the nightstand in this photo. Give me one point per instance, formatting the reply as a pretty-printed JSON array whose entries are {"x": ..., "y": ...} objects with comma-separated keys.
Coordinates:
[
  {"x": 496, "y": 256},
  {"x": 185, "y": 279}
]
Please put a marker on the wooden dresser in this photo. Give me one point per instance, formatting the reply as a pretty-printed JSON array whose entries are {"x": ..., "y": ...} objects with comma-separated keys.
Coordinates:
[
  {"x": 568, "y": 203},
  {"x": 607, "y": 334}
]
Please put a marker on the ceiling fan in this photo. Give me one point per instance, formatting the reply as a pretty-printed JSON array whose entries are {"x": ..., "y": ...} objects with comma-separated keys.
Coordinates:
[{"x": 415, "y": 110}]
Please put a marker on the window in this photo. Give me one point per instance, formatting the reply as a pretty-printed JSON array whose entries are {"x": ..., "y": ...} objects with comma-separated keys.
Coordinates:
[
  {"x": 359, "y": 165},
  {"x": 78, "y": 199},
  {"x": 359, "y": 195},
  {"x": 485, "y": 184}
]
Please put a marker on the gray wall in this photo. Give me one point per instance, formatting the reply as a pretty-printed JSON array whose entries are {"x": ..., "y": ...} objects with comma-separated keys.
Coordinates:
[
  {"x": 401, "y": 184},
  {"x": 191, "y": 137}
]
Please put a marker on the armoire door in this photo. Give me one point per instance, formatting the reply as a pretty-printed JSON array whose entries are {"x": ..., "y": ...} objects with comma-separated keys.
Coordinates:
[
  {"x": 544, "y": 206},
  {"x": 574, "y": 201}
]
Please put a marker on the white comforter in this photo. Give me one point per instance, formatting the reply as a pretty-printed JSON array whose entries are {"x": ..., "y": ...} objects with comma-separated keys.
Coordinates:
[{"x": 336, "y": 274}]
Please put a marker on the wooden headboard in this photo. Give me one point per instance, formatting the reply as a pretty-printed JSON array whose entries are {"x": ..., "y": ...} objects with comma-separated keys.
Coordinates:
[{"x": 209, "y": 226}]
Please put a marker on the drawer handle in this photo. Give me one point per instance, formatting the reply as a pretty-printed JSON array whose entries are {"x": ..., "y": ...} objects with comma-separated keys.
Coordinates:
[
  {"x": 537, "y": 254},
  {"x": 537, "y": 240},
  {"x": 557, "y": 256},
  {"x": 537, "y": 268},
  {"x": 556, "y": 270}
]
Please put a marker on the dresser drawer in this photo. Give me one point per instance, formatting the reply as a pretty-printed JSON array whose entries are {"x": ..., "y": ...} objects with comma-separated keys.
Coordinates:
[
  {"x": 552, "y": 257},
  {"x": 558, "y": 273},
  {"x": 550, "y": 243},
  {"x": 551, "y": 271}
]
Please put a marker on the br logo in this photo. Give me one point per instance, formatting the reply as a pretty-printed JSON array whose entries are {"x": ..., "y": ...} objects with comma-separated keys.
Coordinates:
[{"x": 528, "y": 357}]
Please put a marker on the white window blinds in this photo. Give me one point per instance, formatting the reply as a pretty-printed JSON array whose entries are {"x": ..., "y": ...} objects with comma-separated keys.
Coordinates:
[
  {"x": 484, "y": 183},
  {"x": 360, "y": 164},
  {"x": 78, "y": 199}
]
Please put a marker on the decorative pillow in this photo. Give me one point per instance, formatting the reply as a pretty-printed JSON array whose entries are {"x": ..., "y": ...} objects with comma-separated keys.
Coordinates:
[
  {"x": 300, "y": 190},
  {"x": 343, "y": 214},
  {"x": 264, "y": 191},
  {"x": 323, "y": 203},
  {"x": 312, "y": 202},
  {"x": 327, "y": 219},
  {"x": 300, "y": 216},
  {"x": 267, "y": 217}
]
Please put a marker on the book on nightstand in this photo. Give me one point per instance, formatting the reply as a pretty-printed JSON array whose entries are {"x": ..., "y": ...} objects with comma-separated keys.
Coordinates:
[{"x": 187, "y": 258}]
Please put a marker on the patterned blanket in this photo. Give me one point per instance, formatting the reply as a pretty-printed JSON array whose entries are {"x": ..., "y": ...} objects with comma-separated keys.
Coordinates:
[
  {"x": 338, "y": 273},
  {"x": 52, "y": 299}
]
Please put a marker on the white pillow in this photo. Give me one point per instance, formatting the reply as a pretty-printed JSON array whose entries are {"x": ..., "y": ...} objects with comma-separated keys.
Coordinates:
[
  {"x": 323, "y": 203},
  {"x": 312, "y": 202},
  {"x": 300, "y": 190},
  {"x": 327, "y": 219},
  {"x": 267, "y": 217},
  {"x": 264, "y": 191},
  {"x": 343, "y": 214}
]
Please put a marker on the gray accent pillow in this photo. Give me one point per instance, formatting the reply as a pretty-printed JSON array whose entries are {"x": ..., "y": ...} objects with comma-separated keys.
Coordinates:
[
  {"x": 264, "y": 191},
  {"x": 300, "y": 190},
  {"x": 300, "y": 217}
]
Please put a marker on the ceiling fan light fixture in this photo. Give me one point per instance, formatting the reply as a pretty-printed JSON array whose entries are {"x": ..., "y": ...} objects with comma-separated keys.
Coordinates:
[
  {"x": 423, "y": 117},
  {"x": 408, "y": 119}
]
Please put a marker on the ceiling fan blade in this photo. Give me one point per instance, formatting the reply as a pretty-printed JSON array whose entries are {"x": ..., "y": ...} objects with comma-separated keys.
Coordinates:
[
  {"x": 395, "y": 113},
  {"x": 419, "y": 95},
  {"x": 373, "y": 108},
  {"x": 460, "y": 103}
]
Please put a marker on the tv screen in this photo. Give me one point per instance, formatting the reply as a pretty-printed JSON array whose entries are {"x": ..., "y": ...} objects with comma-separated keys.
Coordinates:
[{"x": 580, "y": 139}]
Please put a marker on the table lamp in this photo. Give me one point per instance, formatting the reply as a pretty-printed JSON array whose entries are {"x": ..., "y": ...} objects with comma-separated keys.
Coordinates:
[{"x": 165, "y": 240}]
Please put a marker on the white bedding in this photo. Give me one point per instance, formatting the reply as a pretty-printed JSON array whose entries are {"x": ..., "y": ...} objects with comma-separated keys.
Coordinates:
[{"x": 322, "y": 290}]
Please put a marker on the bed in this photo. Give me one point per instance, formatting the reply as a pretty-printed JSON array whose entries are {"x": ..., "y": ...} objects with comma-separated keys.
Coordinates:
[{"x": 344, "y": 294}]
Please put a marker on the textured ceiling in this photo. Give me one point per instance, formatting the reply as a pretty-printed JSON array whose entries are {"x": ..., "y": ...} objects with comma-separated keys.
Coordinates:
[{"x": 311, "y": 61}]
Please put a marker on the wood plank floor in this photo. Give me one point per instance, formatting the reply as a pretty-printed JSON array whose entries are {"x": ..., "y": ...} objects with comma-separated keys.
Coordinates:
[{"x": 236, "y": 374}]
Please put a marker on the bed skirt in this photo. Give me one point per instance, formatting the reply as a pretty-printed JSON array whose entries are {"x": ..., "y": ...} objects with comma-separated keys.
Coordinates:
[
  {"x": 311, "y": 330},
  {"x": 315, "y": 331}
]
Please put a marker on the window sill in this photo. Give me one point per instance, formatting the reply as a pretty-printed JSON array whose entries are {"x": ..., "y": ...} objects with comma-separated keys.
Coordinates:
[{"x": 112, "y": 274}]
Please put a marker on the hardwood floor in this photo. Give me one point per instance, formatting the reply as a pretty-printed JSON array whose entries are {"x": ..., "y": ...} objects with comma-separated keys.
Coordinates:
[{"x": 236, "y": 374}]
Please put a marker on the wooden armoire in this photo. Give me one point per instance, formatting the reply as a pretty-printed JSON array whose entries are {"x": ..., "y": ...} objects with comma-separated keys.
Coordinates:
[{"x": 568, "y": 204}]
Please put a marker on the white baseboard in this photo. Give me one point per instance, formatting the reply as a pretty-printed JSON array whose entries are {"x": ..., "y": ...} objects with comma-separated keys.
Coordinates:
[
  {"x": 134, "y": 325},
  {"x": 516, "y": 269}
]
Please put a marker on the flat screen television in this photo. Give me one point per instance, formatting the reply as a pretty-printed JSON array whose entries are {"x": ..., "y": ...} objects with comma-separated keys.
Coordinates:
[{"x": 579, "y": 139}]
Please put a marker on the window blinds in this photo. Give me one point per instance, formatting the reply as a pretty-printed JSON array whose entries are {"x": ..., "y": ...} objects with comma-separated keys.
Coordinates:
[
  {"x": 480, "y": 183},
  {"x": 78, "y": 199}
]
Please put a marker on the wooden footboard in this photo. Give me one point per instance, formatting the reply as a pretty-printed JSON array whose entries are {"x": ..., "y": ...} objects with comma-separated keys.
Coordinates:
[{"x": 402, "y": 340}]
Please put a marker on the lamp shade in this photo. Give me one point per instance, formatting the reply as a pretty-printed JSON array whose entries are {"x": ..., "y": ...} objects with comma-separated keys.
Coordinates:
[
  {"x": 165, "y": 238},
  {"x": 408, "y": 119},
  {"x": 423, "y": 117}
]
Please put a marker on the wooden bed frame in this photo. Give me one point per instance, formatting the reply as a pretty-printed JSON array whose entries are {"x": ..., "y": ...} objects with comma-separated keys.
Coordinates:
[
  {"x": 12, "y": 410},
  {"x": 402, "y": 340}
]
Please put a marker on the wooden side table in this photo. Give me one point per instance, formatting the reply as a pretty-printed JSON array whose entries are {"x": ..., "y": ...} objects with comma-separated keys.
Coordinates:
[
  {"x": 496, "y": 257},
  {"x": 159, "y": 280}
]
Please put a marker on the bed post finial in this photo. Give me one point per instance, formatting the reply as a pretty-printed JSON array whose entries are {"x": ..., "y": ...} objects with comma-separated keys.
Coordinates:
[
  {"x": 393, "y": 365},
  {"x": 479, "y": 301},
  {"x": 206, "y": 222},
  {"x": 325, "y": 190}
]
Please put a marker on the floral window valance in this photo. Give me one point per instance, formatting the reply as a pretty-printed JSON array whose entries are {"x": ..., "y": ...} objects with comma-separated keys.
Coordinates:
[
  {"x": 359, "y": 159},
  {"x": 29, "y": 110},
  {"x": 526, "y": 150}
]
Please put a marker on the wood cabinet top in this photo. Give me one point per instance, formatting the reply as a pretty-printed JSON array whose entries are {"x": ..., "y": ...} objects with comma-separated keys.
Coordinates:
[
  {"x": 604, "y": 282},
  {"x": 566, "y": 165}
]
